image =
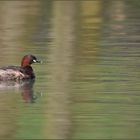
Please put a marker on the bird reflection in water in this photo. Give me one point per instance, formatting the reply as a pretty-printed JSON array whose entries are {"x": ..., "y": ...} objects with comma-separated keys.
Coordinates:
[
  {"x": 25, "y": 86},
  {"x": 27, "y": 91}
]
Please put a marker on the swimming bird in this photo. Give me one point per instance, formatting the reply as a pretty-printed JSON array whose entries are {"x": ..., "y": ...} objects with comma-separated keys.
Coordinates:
[{"x": 23, "y": 72}]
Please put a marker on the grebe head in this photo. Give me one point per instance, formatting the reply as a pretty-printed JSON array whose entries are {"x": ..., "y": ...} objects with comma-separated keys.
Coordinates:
[{"x": 27, "y": 60}]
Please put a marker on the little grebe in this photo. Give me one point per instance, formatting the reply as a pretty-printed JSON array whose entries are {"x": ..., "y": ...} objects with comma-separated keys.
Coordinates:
[{"x": 22, "y": 72}]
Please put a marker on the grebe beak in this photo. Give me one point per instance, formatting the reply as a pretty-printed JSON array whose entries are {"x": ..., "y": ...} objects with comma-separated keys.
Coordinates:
[{"x": 37, "y": 61}]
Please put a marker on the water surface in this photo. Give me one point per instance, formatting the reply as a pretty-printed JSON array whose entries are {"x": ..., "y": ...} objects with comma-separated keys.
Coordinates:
[{"x": 88, "y": 84}]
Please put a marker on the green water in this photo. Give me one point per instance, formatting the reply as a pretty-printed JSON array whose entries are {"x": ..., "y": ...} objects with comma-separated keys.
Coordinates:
[{"x": 87, "y": 86}]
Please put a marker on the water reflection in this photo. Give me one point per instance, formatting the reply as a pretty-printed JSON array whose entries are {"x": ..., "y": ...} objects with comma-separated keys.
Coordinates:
[
  {"x": 92, "y": 75},
  {"x": 27, "y": 91},
  {"x": 24, "y": 86}
]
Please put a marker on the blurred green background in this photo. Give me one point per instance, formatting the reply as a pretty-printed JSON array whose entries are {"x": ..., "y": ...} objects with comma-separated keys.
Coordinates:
[{"x": 88, "y": 84}]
